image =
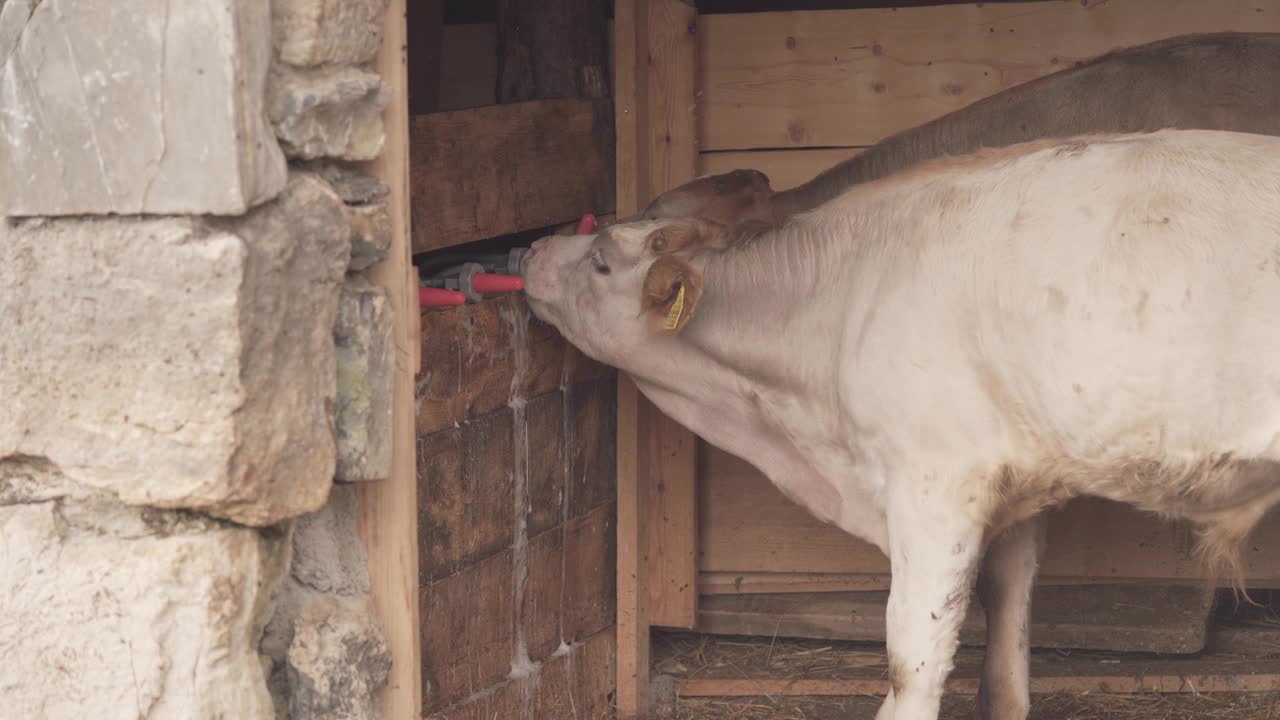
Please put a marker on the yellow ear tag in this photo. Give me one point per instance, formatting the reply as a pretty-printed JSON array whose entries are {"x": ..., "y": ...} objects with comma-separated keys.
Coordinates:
[{"x": 677, "y": 309}]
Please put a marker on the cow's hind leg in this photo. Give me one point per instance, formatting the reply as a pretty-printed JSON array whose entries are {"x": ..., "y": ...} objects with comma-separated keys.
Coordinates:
[
  {"x": 935, "y": 542},
  {"x": 1004, "y": 588}
]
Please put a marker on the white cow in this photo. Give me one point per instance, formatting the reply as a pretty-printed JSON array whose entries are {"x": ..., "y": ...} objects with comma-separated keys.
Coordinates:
[{"x": 933, "y": 357}]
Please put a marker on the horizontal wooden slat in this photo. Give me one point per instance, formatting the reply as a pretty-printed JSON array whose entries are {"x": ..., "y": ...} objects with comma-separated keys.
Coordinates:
[
  {"x": 1169, "y": 677},
  {"x": 1121, "y": 618},
  {"x": 852, "y": 77},
  {"x": 751, "y": 583},
  {"x": 747, "y": 526},
  {"x": 785, "y": 168},
  {"x": 494, "y": 170},
  {"x": 757, "y": 583}
]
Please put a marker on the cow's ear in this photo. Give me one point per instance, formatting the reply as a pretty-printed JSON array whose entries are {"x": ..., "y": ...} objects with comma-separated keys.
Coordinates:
[
  {"x": 672, "y": 289},
  {"x": 687, "y": 235}
]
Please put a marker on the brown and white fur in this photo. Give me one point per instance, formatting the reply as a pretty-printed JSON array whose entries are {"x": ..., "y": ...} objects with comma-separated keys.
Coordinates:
[{"x": 930, "y": 359}]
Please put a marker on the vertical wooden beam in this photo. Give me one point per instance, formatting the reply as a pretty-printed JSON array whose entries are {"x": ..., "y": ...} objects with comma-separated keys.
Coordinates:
[
  {"x": 388, "y": 521},
  {"x": 673, "y": 160},
  {"x": 654, "y": 109},
  {"x": 632, "y": 696},
  {"x": 672, "y": 521}
]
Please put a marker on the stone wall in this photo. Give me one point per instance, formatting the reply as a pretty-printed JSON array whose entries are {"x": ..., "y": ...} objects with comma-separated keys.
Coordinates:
[{"x": 191, "y": 358}]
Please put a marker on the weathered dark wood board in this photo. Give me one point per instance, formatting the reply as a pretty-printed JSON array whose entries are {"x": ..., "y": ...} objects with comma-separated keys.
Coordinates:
[
  {"x": 469, "y": 362},
  {"x": 516, "y": 441},
  {"x": 490, "y": 171},
  {"x": 578, "y": 686}
]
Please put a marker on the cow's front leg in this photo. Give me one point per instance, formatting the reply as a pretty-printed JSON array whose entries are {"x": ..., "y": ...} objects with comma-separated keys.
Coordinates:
[
  {"x": 935, "y": 541},
  {"x": 1004, "y": 588}
]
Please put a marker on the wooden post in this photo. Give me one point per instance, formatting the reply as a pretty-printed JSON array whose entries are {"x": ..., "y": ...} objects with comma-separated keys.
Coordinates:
[
  {"x": 388, "y": 521},
  {"x": 654, "y": 110},
  {"x": 672, "y": 149},
  {"x": 633, "y": 596},
  {"x": 632, "y": 696}
]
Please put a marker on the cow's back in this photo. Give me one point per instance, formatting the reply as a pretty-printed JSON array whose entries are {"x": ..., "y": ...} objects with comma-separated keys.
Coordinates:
[{"x": 1094, "y": 298}]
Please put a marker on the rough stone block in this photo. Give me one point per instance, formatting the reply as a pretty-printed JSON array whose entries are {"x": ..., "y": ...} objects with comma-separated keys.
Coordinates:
[
  {"x": 355, "y": 188},
  {"x": 109, "y": 106},
  {"x": 337, "y": 661},
  {"x": 327, "y": 112},
  {"x": 118, "y": 613},
  {"x": 179, "y": 363},
  {"x": 468, "y": 641},
  {"x": 366, "y": 199},
  {"x": 465, "y": 485},
  {"x": 370, "y": 235},
  {"x": 325, "y": 648},
  {"x": 328, "y": 556},
  {"x": 366, "y": 365},
  {"x": 319, "y": 32}
]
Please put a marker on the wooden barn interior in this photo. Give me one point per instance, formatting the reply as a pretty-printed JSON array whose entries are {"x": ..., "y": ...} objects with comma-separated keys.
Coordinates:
[{"x": 580, "y": 556}]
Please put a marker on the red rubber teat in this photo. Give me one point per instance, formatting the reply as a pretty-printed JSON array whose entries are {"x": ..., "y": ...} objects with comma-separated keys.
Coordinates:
[
  {"x": 436, "y": 297},
  {"x": 587, "y": 224},
  {"x": 490, "y": 283}
]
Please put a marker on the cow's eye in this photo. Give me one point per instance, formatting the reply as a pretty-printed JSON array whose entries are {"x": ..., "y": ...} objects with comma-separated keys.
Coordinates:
[{"x": 598, "y": 262}]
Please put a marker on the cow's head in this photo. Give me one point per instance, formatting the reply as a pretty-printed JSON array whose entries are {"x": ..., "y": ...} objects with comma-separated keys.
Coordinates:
[
  {"x": 728, "y": 199},
  {"x": 609, "y": 291}
]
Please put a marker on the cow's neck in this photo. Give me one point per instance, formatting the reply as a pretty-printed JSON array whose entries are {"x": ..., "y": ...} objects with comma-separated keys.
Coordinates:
[
  {"x": 770, "y": 306},
  {"x": 754, "y": 371}
]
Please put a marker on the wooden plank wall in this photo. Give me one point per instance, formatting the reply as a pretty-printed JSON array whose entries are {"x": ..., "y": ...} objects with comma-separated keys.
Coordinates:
[
  {"x": 501, "y": 148},
  {"x": 790, "y": 82},
  {"x": 792, "y": 93},
  {"x": 515, "y": 430},
  {"x": 515, "y": 438}
]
